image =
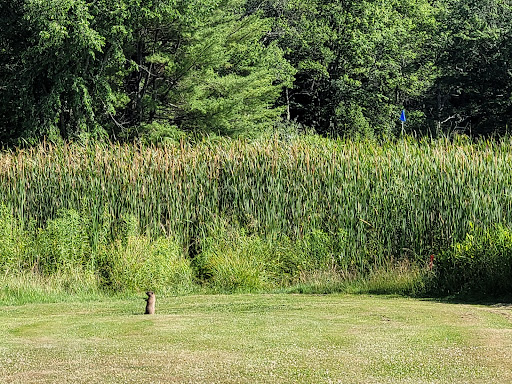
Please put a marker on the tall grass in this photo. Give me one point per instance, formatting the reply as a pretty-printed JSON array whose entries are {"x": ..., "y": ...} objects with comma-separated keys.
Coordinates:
[{"x": 368, "y": 205}]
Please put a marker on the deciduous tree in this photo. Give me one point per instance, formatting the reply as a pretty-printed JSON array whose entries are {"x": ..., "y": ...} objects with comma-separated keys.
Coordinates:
[{"x": 358, "y": 62}]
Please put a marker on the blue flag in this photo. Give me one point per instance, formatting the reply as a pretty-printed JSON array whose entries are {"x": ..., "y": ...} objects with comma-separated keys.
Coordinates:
[{"x": 402, "y": 116}]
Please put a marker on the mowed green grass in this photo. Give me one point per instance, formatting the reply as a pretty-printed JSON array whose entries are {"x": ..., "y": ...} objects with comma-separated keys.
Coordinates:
[{"x": 257, "y": 339}]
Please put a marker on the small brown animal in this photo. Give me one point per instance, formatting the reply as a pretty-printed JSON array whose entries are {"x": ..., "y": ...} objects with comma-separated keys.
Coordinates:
[{"x": 150, "y": 306}]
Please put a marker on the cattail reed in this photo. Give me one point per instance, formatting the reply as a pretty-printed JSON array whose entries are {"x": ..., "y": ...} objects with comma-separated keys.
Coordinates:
[{"x": 405, "y": 199}]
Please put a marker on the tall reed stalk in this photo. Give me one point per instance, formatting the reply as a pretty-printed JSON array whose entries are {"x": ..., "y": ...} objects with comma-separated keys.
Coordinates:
[{"x": 398, "y": 200}]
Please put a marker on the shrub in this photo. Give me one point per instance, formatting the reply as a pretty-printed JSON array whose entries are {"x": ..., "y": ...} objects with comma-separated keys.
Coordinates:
[
  {"x": 233, "y": 261},
  {"x": 324, "y": 251},
  {"x": 141, "y": 264},
  {"x": 479, "y": 265},
  {"x": 63, "y": 246}
]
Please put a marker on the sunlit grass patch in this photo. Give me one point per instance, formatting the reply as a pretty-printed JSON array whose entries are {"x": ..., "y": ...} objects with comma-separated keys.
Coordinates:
[{"x": 256, "y": 339}]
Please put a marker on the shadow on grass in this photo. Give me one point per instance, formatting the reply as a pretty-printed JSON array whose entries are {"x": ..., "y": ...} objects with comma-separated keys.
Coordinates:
[{"x": 490, "y": 301}]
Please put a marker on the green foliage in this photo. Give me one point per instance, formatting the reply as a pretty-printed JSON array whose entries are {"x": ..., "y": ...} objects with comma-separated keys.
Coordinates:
[
  {"x": 52, "y": 262},
  {"x": 12, "y": 242},
  {"x": 53, "y": 82},
  {"x": 472, "y": 91},
  {"x": 25, "y": 287},
  {"x": 159, "y": 132},
  {"x": 239, "y": 78},
  {"x": 358, "y": 62},
  {"x": 60, "y": 258},
  {"x": 404, "y": 199},
  {"x": 480, "y": 264},
  {"x": 61, "y": 254},
  {"x": 139, "y": 264},
  {"x": 400, "y": 278},
  {"x": 135, "y": 69},
  {"x": 231, "y": 261},
  {"x": 255, "y": 215},
  {"x": 200, "y": 67},
  {"x": 323, "y": 251},
  {"x": 63, "y": 245},
  {"x": 393, "y": 279},
  {"x": 155, "y": 71}
]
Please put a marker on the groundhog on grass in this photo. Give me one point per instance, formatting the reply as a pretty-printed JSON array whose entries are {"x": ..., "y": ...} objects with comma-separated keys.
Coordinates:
[{"x": 150, "y": 306}]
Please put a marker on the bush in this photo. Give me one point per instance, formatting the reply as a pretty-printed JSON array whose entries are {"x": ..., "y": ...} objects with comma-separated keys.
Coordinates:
[
  {"x": 63, "y": 246},
  {"x": 233, "y": 261},
  {"x": 140, "y": 264},
  {"x": 324, "y": 251},
  {"x": 479, "y": 265}
]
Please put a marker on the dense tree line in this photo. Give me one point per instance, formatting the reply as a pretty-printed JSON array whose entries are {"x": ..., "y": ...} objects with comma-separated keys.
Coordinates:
[{"x": 156, "y": 69}]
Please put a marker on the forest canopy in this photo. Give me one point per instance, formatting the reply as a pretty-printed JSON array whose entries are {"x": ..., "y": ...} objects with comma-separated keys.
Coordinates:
[{"x": 153, "y": 70}]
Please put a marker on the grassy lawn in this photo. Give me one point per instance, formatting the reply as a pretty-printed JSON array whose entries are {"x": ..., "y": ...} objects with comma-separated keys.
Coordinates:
[{"x": 257, "y": 339}]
